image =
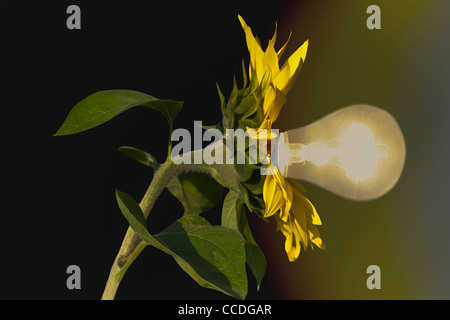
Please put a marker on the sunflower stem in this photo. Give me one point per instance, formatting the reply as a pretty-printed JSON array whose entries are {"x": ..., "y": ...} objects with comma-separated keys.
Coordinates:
[{"x": 132, "y": 245}]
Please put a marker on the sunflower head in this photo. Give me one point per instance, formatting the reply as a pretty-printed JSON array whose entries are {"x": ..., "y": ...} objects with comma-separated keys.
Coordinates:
[
  {"x": 256, "y": 106},
  {"x": 265, "y": 64},
  {"x": 295, "y": 215}
]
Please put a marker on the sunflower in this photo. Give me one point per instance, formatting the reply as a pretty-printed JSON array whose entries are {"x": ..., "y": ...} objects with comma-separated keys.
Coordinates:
[{"x": 295, "y": 215}]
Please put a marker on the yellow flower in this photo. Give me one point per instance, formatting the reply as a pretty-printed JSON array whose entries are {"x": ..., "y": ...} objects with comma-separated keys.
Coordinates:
[
  {"x": 295, "y": 215},
  {"x": 266, "y": 64},
  {"x": 297, "y": 218},
  {"x": 277, "y": 194}
]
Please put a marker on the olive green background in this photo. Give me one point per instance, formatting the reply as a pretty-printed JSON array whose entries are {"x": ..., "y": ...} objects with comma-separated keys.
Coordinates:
[{"x": 402, "y": 68}]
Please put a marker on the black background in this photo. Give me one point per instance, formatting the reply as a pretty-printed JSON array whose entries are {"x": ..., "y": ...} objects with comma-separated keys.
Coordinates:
[{"x": 58, "y": 205}]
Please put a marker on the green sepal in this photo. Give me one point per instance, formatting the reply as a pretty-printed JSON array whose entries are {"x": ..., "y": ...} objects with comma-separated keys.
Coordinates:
[
  {"x": 223, "y": 105},
  {"x": 215, "y": 126}
]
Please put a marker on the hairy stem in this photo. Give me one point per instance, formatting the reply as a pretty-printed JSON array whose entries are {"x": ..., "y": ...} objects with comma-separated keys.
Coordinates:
[{"x": 132, "y": 245}]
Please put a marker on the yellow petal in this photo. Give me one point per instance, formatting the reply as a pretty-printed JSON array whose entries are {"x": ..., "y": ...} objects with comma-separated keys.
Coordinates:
[
  {"x": 266, "y": 124},
  {"x": 255, "y": 50},
  {"x": 315, "y": 216},
  {"x": 303, "y": 235},
  {"x": 288, "y": 244},
  {"x": 285, "y": 189},
  {"x": 270, "y": 59},
  {"x": 293, "y": 245},
  {"x": 285, "y": 211},
  {"x": 273, "y": 197},
  {"x": 292, "y": 241},
  {"x": 274, "y": 109},
  {"x": 269, "y": 98},
  {"x": 284, "y": 214},
  {"x": 299, "y": 223},
  {"x": 282, "y": 226},
  {"x": 262, "y": 133},
  {"x": 312, "y": 213},
  {"x": 288, "y": 73},
  {"x": 281, "y": 51},
  {"x": 299, "y": 214},
  {"x": 274, "y": 37},
  {"x": 315, "y": 238}
]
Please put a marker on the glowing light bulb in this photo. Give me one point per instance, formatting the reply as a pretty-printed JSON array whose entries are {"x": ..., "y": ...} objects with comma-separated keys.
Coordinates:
[{"x": 357, "y": 152}]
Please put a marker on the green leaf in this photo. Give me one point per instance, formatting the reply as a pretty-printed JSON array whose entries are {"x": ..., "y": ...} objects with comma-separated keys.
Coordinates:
[
  {"x": 192, "y": 220},
  {"x": 196, "y": 191},
  {"x": 133, "y": 213},
  {"x": 255, "y": 184},
  {"x": 213, "y": 256},
  {"x": 227, "y": 176},
  {"x": 234, "y": 217},
  {"x": 231, "y": 206},
  {"x": 102, "y": 106},
  {"x": 140, "y": 156}
]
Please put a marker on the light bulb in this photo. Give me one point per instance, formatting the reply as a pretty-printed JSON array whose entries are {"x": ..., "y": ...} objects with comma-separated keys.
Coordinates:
[{"x": 357, "y": 152}]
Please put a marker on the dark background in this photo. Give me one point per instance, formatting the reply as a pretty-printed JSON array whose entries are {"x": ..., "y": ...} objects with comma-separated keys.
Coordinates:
[{"x": 58, "y": 204}]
